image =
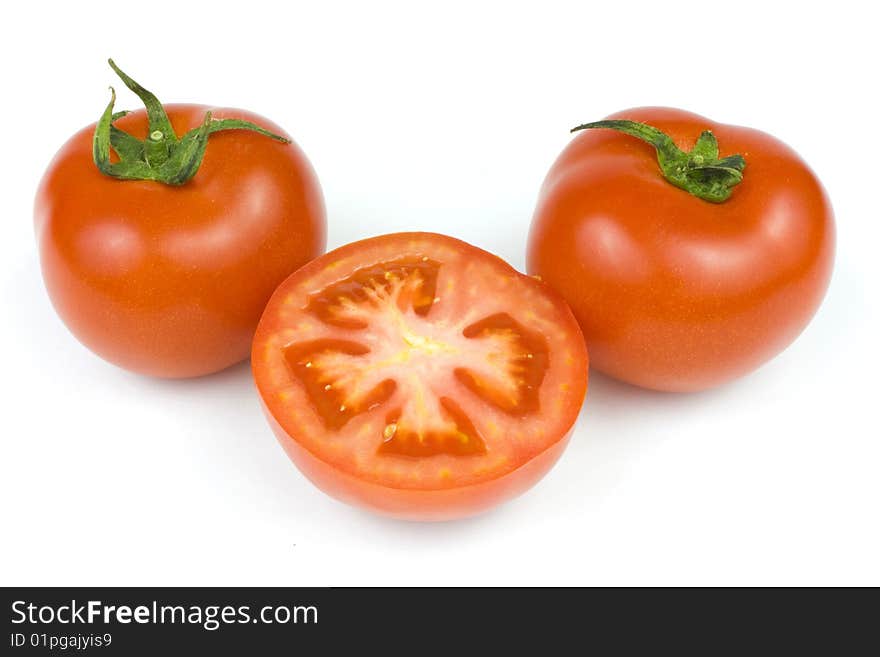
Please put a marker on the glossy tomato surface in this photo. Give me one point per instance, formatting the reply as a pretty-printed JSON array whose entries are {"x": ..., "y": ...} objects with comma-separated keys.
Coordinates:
[
  {"x": 673, "y": 292},
  {"x": 419, "y": 376},
  {"x": 171, "y": 281}
]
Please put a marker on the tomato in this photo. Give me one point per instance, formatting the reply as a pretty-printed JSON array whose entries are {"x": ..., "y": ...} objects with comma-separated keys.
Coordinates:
[
  {"x": 419, "y": 376},
  {"x": 675, "y": 291},
  {"x": 170, "y": 279}
]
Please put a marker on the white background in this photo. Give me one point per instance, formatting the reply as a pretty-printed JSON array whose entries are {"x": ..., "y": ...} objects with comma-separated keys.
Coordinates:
[{"x": 446, "y": 120}]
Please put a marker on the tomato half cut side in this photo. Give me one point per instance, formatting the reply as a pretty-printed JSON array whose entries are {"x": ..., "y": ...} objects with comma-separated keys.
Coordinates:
[{"x": 419, "y": 376}]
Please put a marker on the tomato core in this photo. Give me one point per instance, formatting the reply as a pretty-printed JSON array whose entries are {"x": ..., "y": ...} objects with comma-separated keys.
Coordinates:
[{"x": 344, "y": 378}]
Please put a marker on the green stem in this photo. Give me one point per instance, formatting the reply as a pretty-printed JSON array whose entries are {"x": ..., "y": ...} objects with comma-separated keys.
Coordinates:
[
  {"x": 700, "y": 171},
  {"x": 155, "y": 112},
  {"x": 162, "y": 156}
]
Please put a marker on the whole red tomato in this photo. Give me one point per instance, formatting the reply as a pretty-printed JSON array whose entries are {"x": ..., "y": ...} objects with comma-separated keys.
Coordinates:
[
  {"x": 168, "y": 275},
  {"x": 685, "y": 268}
]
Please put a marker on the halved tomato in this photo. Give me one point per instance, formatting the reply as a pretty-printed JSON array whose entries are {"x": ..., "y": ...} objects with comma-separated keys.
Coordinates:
[{"x": 419, "y": 376}]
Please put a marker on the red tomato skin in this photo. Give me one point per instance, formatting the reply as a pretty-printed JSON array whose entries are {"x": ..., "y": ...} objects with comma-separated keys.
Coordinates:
[
  {"x": 672, "y": 292},
  {"x": 171, "y": 281},
  {"x": 423, "y": 505}
]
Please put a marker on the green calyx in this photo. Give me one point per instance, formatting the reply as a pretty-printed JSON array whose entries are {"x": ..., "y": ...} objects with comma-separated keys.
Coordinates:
[
  {"x": 700, "y": 171},
  {"x": 162, "y": 156}
]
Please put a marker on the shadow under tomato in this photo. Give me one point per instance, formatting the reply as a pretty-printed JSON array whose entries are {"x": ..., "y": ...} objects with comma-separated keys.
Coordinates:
[
  {"x": 234, "y": 375},
  {"x": 608, "y": 397}
]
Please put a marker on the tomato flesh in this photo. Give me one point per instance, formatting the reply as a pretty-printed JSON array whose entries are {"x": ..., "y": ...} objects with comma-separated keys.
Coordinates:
[{"x": 418, "y": 363}]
